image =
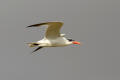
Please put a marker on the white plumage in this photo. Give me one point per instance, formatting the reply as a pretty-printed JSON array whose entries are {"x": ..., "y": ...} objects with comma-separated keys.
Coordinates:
[{"x": 52, "y": 37}]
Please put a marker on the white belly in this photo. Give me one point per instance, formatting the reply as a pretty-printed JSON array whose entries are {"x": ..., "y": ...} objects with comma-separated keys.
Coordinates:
[{"x": 61, "y": 41}]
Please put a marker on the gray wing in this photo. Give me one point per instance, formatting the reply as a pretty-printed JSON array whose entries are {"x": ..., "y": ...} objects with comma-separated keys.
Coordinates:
[{"x": 53, "y": 30}]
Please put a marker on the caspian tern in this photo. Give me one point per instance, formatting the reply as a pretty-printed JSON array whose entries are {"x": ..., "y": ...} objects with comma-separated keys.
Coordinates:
[{"x": 52, "y": 37}]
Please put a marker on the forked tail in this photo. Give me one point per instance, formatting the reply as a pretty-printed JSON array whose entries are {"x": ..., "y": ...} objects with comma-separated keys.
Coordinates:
[{"x": 33, "y": 44}]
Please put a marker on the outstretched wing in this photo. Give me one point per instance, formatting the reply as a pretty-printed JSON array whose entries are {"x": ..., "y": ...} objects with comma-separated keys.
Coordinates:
[{"x": 53, "y": 30}]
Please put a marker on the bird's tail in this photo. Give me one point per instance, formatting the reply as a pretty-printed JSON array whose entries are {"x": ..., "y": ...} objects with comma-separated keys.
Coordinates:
[{"x": 32, "y": 44}]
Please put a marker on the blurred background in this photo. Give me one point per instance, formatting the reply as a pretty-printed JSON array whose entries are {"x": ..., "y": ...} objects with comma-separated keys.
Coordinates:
[{"x": 96, "y": 23}]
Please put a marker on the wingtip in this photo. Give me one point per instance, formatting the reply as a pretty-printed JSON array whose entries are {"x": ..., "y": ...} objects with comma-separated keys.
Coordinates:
[
  {"x": 39, "y": 24},
  {"x": 28, "y": 26},
  {"x": 34, "y": 25}
]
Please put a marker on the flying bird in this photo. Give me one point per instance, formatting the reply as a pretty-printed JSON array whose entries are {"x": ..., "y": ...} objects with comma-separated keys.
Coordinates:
[{"x": 52, "y": 37}]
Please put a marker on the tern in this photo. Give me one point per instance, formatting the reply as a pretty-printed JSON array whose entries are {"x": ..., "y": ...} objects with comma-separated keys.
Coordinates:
[{"x": 52, "y": 37}]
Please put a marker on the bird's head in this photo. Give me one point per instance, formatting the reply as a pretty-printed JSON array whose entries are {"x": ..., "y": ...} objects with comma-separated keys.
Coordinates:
[{"x": 73, "y": 41}]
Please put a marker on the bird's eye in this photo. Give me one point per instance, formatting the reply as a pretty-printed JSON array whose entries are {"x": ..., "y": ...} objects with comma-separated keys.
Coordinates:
[{"x": 70, "y": 40}]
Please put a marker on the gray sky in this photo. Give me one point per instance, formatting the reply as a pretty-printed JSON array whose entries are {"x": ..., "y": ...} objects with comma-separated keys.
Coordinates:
[{"x": 96, "y": 23}]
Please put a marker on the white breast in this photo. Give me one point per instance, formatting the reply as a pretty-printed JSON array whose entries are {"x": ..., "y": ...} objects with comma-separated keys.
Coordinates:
[{"x": 60, "y": 41}]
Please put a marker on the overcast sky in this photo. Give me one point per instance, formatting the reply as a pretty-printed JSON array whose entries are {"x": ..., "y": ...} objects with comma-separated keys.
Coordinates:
[{"x": 96, "y": 23}]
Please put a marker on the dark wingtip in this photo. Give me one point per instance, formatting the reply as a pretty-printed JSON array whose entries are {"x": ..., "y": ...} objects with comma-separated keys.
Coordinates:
[
  {"x": 28, "y": 26},
  {"x": 35, "y": 25},
  {"x": 31, "y": 26}
]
